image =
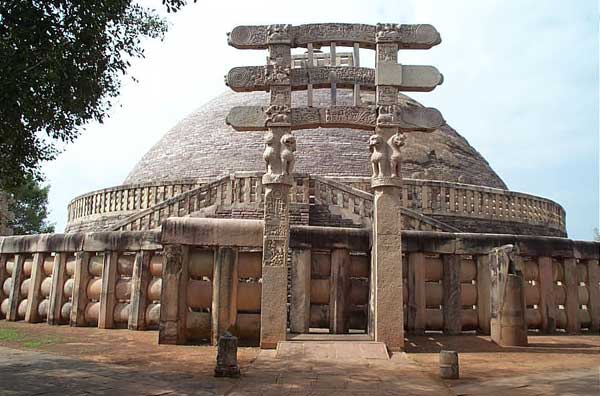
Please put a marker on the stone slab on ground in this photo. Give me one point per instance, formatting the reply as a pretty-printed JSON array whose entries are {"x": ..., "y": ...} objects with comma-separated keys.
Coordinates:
[{"x": 332, "y": 350}]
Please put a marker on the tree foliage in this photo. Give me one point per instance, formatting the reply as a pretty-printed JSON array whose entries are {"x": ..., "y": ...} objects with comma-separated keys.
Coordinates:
[
  {"x": 61, "y": 63},
  {"x": 29, "y": 207}
]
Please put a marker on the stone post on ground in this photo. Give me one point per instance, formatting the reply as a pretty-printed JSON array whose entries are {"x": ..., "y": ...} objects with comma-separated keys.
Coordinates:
[
  {"x": 508, "y": 324},
  {"x": 227, "y": 364},
  {"x": 280, "y": 146}
]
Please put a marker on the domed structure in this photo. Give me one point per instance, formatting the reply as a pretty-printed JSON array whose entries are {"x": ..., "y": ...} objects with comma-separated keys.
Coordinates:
[
  {"x": 202, "y": 146},
  {"x": 202, "y": 167}
]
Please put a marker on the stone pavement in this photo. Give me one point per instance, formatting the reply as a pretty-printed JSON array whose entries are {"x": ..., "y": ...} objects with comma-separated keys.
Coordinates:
[
  {"x": 301, "y": 370},
  {"x": 37, "y": 373},
  {"x": 571, "y": 382}
]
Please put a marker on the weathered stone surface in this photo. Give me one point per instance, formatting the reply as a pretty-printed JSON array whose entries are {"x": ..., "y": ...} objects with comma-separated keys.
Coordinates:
[
  {"x": 508, "y": 323},
  {"x": 212, "y": 232},
  {"x": 449, "y": 368},
  {"x": 276, "y": 236},
  {"x": 300, "y": 291},
  {"x": 227, "y": 365},
  {"x": 386, "y": 272}
]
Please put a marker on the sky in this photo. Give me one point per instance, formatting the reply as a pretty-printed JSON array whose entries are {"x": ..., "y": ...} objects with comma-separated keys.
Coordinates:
[{"x": 521, "y": 84}]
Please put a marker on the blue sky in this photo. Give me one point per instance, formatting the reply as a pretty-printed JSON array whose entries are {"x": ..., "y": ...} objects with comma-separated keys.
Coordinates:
[{"x": 521, "y": 85}]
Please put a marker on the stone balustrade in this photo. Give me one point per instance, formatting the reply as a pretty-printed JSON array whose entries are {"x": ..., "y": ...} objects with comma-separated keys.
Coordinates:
[
  {"x": 123, "y": 200},
  {"x": 237, "y": 196},
  {"x": 199, "y": 277},
  {"x": 468, "y": 207},
  {"x": 430, "y": 205}
]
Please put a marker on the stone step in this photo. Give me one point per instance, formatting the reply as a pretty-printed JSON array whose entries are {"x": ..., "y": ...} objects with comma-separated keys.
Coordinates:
[{"x": 332, "y": 350}]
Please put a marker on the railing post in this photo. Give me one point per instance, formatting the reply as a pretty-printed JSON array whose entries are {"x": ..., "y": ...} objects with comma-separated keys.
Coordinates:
[
  {"x": 300, "y": 301},
  {"x": 452, "y": 308},
  {"x": 33, "y": 297},
  {"x": 107, "y": 295},
  {"x": 339, "y": 300},
  {"x": 416, "y": 305},
  {"x": 139, "y": 289},
  {"x": 547, "y": 305},
  {"x": 80, "y": 284},
  {"x": 3, "y": 276},
  {"x": 57, "y": 297},
  {"x": 14, "y": 298},
  {"x": 224, "y": 292},
  {"x": 572, "y": 292},
  {"x": 173, "y": 301},
  {"x": 593, "y": 284},
  {"x": 483, "y": 294}
]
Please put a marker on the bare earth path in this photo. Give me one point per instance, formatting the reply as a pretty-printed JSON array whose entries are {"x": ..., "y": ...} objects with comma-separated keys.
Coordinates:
[{"x": 47, "y": 360}]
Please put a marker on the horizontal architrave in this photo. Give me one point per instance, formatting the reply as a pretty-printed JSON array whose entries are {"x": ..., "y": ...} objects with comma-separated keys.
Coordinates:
[
  {"x": 404, "y": 77},
  {"x": 422, "y": 36},
  {"x": 407, "y": 118}
]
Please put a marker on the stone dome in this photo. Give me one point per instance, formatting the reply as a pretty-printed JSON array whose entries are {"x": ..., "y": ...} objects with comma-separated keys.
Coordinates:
[{"x": 202, "y": 146}]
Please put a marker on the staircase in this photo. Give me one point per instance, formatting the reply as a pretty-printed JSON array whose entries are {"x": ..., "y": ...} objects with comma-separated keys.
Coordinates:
[{"x": 330, "y": 203}]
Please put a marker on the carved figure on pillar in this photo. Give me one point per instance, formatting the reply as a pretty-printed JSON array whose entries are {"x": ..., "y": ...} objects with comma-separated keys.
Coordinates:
[
  {"x": 270, "y": 154},
  {"x": 277, "y": 114},
  {"x": 378, "y": 155},
  {"x": 395, "y": 143},
  {"x": 288, "y": 147}
]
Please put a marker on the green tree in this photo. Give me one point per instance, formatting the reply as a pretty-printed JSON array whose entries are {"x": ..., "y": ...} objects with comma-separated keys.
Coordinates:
[
  {"x": 29, "y": 207},
  {"x": 596, "y": 234},
  {"x": 61, "y": 63}
]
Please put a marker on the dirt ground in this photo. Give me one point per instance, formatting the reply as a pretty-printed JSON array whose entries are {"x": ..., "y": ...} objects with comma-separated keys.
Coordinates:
[
  {"x": 480, "y": 359},
  {"x": 115, "y": 346}
]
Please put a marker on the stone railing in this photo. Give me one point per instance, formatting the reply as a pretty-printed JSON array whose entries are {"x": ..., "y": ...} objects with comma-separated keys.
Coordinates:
[
  {"x": 429, "y": 205},
  {"x": 108, "y": 280},
  {"x": 197, "y": 277},
  {"x": 357, "y": 205},
  {"x": 456, "y": 204},
  {"x": 126, "y": 198},
  {"x": 237, "y": 196}
]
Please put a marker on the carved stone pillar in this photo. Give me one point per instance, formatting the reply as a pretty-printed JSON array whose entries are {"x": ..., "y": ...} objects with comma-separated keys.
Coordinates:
[
  {"x": 508, "y": 323},
  {"x": 387, "y": 301},
  {"x": 280, "y": 146}
]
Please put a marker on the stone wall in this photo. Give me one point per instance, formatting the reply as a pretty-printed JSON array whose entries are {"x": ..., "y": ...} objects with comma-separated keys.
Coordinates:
[{"x": 117, "y": 279}]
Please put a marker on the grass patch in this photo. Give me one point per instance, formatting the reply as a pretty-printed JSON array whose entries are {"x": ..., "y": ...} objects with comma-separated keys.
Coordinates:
[
  {"x": 10, "y": 335},
  {"x": 14, "y": 336}
]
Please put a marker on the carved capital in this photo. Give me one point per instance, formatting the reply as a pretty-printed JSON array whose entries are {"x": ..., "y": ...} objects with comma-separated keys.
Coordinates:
[
  {"x": 386, "y": 181},
  {"x": 278, "y": 115},
  {"x": 277, "y": 179},
  {"x": 388, "y": 33},
  {"x": 279, "y": 156},
  {"x": 279, "y": 34},
  {"x": 386, "y": 115},
  {"x": 277, "y": 75},
  {"x": 386, "y": 156}
]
